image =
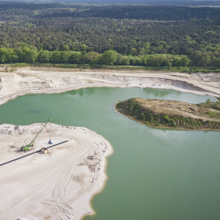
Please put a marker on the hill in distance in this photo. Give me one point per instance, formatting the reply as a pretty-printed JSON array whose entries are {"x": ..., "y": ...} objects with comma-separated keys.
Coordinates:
[{"x": 213, "y": 3}]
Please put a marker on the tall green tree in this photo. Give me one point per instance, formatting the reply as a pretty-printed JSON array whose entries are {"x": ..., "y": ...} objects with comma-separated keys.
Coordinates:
[
  {"x": 65, "y": 47},
  {"x": 44, "y": 56},
  {"x": 109, "y": 57},
  {"x": 74, "y": 58},
  {"x": 29, "y": 55}
]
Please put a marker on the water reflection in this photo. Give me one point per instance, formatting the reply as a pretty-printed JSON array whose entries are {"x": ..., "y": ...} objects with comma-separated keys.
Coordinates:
[
  {"x": 34, "y": 111},
  {"x": 159, "y": 93}
]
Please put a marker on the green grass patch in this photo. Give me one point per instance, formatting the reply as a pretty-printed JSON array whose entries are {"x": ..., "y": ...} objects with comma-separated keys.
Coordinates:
[{"x": 121, "y": 67}]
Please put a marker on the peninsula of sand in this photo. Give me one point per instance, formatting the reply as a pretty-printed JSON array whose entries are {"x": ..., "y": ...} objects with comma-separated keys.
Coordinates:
[
  {"x": 56, "y": 185},
  {"x": 172, "y": 114},
  {"x": 60, "y": 184}
]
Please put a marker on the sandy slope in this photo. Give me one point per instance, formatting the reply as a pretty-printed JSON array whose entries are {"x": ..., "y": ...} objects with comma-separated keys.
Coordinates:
[
  {"x": 177, "y": 108},
  {"x": 52, "y": 186},
  {"x": 44, "y": 80}
]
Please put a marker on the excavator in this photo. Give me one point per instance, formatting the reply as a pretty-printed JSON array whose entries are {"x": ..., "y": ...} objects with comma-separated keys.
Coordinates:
[{"x": 29, "y": 146}]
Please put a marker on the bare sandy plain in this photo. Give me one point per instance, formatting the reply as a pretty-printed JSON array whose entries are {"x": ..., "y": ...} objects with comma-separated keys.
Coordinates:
[
  {"x": 54, "y": 80},
  {"x": 59, "y": 185}
]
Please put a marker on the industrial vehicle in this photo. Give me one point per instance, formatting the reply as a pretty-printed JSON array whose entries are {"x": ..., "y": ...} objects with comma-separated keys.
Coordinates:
[{"x": 29, "y": 146}]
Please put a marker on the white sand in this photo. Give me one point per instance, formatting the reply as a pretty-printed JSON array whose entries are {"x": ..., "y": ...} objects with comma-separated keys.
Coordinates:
[
  {"x": 45, "y": 80},
  {"x": 58, "y": 185}
]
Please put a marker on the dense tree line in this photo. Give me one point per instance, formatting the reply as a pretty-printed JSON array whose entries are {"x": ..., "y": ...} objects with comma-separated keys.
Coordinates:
[
  {"x": 109, "y": 57},
  {"x": 181, "y": 31}
]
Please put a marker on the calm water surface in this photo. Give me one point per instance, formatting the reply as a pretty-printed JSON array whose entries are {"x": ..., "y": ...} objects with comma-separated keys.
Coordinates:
[{"x": 153, "y": 174}]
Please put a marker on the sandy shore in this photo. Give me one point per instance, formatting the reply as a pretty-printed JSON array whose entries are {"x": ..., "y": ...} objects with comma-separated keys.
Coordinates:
[
  {"x": 57, "y": 185},
  {"x": 49, "y": 80}
]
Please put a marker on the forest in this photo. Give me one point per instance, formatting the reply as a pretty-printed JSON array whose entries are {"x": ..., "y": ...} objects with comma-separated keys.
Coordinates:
[{"x": 110, "y": 35}]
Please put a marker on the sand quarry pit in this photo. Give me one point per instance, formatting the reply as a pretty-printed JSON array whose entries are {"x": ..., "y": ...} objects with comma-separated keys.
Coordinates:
[
  {"x": 32, "y": 80},
  {"x": 56, "y": 185},
  {"x": 60, "y": 184}
]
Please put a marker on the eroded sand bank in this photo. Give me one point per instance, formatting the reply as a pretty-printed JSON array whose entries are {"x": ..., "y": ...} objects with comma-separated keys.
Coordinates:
[
  {"x": 57, "y": 185},
  {"x": 46, "y": 80}
]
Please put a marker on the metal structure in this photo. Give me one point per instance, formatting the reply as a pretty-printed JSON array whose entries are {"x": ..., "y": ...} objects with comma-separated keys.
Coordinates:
[
  {"x": 26, "y": 155},
  {"x": 28, "y": 146},
  {"x": 50, "y": 142}
]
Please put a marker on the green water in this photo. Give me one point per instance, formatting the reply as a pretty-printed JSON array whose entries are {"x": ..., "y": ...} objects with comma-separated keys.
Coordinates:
[{"x": 153, "y": 174}]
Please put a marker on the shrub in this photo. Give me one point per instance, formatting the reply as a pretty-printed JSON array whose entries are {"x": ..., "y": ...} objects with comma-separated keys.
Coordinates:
[{"x": 208, "y": 101}]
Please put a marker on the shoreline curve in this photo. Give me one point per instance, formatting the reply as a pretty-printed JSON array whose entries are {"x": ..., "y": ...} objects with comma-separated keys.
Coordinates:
[
  {"x": 38, "y": 80},
  {"x": 47, "y": 180}
]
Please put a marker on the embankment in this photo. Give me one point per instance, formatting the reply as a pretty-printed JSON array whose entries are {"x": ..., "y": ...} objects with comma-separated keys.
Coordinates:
[{"x": 43, "y": 80}]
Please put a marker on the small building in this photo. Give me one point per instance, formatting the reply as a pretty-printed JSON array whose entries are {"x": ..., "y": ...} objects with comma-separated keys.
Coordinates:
[{"x": 44, "y": 150}]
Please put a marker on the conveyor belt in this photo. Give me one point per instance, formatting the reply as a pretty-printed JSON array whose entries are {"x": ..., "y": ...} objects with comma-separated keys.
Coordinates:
[{"x": 38, "y": 151}]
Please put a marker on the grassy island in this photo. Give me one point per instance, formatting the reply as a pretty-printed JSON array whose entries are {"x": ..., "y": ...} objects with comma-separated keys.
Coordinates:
[{"x": 172, "y": 114}]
